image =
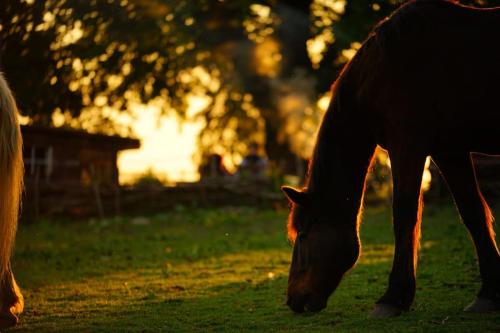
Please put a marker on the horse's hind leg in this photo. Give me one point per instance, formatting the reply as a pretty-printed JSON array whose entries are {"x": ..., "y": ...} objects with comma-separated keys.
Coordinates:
[
  {"x": 458, "y": 172},
  {"x": 12, "y": 302},
  {"x": 407, "y": 169}
]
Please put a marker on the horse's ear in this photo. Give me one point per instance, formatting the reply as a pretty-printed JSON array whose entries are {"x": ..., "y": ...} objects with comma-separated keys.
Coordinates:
[{"x": 295, "y": 196}]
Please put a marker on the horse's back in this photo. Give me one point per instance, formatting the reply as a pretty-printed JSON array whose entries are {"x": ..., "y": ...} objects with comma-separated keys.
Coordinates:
[{"x": 439, "y": 75}]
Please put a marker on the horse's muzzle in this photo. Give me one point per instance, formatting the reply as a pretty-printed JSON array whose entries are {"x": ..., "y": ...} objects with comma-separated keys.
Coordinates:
[
  {"x": 301, "y": 303},
  {"x": 297, "y": 304}
]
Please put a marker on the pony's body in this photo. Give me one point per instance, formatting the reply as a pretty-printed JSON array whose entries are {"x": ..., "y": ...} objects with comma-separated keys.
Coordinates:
[
  {"x": 11, "y": 177},
  {"x": 425, "y": 82}
]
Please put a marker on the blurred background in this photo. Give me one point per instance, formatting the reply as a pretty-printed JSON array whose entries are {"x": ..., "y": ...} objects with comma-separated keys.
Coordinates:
[{"x": 123, "y": 97}]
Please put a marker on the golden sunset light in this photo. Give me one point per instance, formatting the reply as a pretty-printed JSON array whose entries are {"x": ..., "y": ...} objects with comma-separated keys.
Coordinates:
[
  {"x": 167, "y": 146},
  {"x": 172, "y": 160}
]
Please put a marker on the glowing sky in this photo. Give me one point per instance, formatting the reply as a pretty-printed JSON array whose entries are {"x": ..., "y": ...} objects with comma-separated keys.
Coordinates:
[{"x": 167, "y": 145}]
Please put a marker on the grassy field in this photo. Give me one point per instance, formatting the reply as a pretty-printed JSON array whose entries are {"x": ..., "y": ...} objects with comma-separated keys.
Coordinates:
[{"x": 225, "y": 270}]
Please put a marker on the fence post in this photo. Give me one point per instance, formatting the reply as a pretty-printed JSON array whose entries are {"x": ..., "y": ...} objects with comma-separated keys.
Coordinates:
[{"x": 97, "y": 192}]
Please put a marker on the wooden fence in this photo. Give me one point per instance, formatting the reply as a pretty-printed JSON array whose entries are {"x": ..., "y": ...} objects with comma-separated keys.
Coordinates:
[
  {"x": 73, "y": 201},
  {"x": 45, "y": 201}
]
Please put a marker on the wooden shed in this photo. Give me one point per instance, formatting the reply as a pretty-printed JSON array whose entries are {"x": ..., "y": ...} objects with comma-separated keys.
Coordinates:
[{"x": 67, "y": 157}]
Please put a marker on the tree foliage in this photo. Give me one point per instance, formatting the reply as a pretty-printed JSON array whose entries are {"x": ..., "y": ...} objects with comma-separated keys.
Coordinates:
[{"x": 67, "y": 55}]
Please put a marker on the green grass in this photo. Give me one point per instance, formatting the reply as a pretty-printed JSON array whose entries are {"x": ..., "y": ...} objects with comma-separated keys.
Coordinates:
[{"x": 225, "y": 270}]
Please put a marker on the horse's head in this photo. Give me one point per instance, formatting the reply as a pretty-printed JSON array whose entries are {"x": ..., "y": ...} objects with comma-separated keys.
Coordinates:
[{"x": 324, "y": 250}]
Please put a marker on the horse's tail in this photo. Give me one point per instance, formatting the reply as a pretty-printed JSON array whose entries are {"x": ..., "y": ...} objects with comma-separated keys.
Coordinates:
[{"x": 11, "y": 173}]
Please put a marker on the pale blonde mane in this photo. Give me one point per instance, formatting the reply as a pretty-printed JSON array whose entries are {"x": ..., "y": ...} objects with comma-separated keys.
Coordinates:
[{"x": 11, "y": 172}]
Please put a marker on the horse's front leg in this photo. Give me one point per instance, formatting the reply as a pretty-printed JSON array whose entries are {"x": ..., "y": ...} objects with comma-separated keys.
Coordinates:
[
  {"x": 407, "y": 172},
  {"x": 12, "y": 302}
]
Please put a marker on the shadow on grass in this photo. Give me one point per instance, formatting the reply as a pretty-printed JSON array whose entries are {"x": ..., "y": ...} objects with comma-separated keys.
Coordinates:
[
  {"x": 182, "y": 275},
  {"x": 252, "y": 306}
]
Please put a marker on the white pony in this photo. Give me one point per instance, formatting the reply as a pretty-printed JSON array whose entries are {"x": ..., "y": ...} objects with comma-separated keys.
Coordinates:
[{"x": 11, "y": 179}]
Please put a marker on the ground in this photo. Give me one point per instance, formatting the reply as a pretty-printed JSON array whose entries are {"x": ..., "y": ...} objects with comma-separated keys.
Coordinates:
[{"x": 225, "y": 270}]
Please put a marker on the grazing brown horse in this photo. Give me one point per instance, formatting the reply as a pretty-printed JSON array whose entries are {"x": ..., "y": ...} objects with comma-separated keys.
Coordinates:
[
  {"x": 425, "y": 82},
  {"x": 11, "y": 175}
]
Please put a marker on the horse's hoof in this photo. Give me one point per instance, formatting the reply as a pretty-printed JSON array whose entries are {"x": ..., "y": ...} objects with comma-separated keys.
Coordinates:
[
  {"x": 385, "y": 311},
  {"x": 481, "y": 305},
  {"x": 7, "y": 319}
]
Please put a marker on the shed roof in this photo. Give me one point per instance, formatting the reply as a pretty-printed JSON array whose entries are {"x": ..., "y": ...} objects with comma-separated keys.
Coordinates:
[{"x": 41, "y": 135}]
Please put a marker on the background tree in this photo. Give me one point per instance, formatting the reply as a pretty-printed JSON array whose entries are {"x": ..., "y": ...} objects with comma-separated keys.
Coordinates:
[
  {"x": 63, "y": 56},
  {"x": 286, "y": 60}
]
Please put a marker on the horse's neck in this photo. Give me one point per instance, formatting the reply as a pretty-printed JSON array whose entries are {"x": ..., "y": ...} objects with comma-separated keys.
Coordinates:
[{"x": 340, "y": 162}]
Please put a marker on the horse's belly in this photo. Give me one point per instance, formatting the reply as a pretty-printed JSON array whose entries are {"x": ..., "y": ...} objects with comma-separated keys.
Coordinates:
[
  {"x": 487, "y": 142},
  {"x": 481, "y": 138}
]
